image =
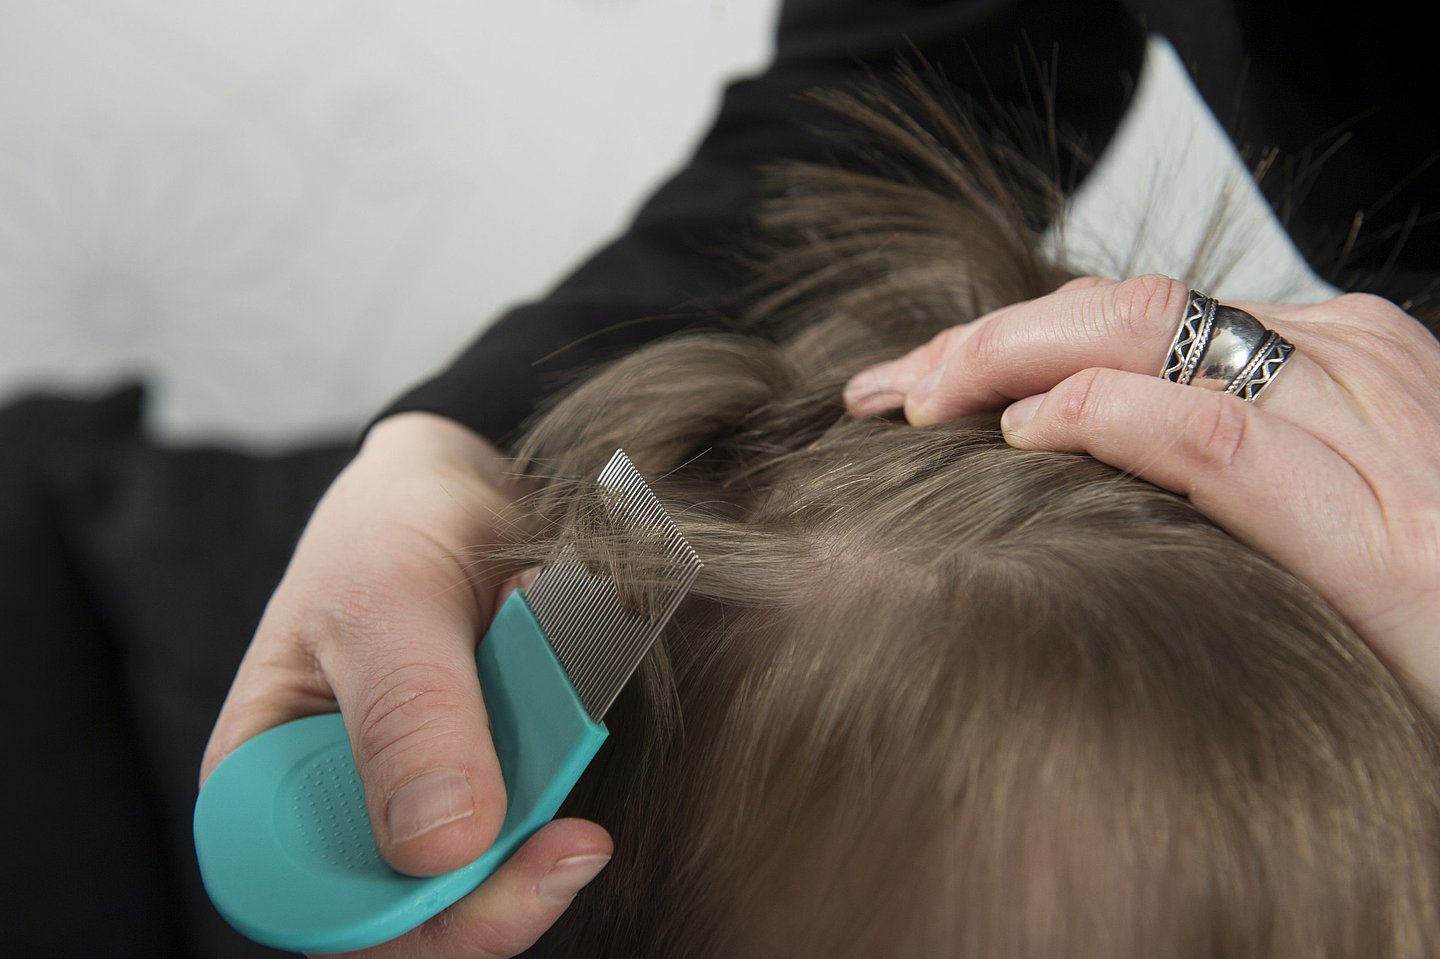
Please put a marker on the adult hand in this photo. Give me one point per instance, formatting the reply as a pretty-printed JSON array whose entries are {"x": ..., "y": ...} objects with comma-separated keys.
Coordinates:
[
  {"x": 1334, "y": 472},
  {"x": 378, "y": 615}
]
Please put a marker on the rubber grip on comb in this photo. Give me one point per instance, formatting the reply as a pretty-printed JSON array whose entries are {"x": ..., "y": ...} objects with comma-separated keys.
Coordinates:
[{"x": 282, "y": 833}]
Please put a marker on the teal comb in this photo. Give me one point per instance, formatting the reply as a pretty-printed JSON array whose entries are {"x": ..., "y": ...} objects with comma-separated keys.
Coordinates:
[{"x": 281, "y": 830}]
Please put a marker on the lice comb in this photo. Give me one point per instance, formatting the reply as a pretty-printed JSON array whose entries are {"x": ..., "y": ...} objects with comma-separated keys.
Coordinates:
[{"x": 281, "y": 829}]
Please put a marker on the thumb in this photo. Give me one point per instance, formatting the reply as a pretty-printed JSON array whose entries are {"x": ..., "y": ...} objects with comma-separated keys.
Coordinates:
[
  {"x": 406, "y": 684},
  {"x": 378, "y": 613}
]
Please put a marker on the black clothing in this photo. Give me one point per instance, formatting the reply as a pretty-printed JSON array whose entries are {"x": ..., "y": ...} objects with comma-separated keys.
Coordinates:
[
  {"x": 135, "y": 575},
  {"x": 131, "y": 580}
]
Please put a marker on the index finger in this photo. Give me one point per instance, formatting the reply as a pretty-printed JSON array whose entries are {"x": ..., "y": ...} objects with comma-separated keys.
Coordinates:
[
  {"x": 887, "y": 386},
  {"x": 1026, "y": 349},
  {"x": 1029, "y": 348}
]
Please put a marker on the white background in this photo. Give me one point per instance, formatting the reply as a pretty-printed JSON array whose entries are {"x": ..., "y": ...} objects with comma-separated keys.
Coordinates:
[{"x": 280, "y": 213}]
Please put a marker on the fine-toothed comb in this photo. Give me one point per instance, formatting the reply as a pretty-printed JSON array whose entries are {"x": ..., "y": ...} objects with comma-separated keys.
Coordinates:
[{"x": 281, "y": 829}]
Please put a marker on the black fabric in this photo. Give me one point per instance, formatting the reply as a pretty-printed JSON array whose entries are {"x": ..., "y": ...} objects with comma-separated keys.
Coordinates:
[
  {"x": 133, "y": 574},
  {"x": 77, "y": 797},
  {"x": 131, "y": 579}
]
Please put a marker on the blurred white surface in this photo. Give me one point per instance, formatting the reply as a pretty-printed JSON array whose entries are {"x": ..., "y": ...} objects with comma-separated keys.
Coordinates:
[{"x": 280, "y": 214}]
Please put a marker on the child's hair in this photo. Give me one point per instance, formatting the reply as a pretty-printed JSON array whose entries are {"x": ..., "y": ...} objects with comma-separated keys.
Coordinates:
[{"x": 933, "y": 696}]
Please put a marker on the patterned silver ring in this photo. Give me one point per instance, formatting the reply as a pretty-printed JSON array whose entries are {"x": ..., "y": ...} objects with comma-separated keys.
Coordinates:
[
  {"x": 1191, "y": 339},
  {"x": 1220, "y": 347}
]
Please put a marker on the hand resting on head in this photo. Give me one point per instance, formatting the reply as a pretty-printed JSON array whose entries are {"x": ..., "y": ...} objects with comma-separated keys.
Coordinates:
[{"x": 1334, "y": 472}]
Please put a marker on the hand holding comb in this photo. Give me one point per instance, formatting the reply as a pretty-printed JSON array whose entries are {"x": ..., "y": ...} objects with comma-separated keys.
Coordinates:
[{"x": 281, "y": 829}]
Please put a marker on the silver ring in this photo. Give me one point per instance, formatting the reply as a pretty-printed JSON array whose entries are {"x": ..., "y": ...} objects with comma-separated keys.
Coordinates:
[
  {"x": 1190, "y": 339},
  {"x": 1262, "y": 369},
  {"x": 1220, "y": 347}
]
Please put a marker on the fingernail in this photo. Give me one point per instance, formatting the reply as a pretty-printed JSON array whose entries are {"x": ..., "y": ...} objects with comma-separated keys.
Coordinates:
[
  {"x": 428, "y": 802},
  {"x": 568, "y": 876},
  {"x": 1018, "y": 415}
]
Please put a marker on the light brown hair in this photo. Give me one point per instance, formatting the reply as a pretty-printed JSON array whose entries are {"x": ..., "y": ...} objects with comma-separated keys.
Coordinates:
[{"x": 933, "y": 696}]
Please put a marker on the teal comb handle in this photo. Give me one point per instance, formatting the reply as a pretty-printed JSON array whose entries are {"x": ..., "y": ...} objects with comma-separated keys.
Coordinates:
[{"x": 283, "y": 837}]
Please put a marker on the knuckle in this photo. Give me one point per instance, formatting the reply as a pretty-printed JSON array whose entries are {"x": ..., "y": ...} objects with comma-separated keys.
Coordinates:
[
  {"x": 932, "y": 354},
  {"x": 1217, "y": 431},
  {"x": 1381, "y": 323},
  {"x": 405, "y": 709},
  {"x": 1367, "y": 306},
  {"x": 984, "y": 349},
  {"x": 357, "y": 608},
  {"x": 1396, "y": 359},
  {"x": 325, "y": 619},
  {"x": 1382, "y": 356},
  {"x": 1076, "y": 401},
  {"x": 944, "y": 342},
  {"x": 1141, "y": 304}
]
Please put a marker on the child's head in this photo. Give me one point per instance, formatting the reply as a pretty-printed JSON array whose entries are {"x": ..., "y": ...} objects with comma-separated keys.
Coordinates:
[{"x": 933, "y": 696}]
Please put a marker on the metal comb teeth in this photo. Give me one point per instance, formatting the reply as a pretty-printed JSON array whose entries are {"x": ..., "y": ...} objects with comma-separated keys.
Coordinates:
[{"x": 598, "y": 641}]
